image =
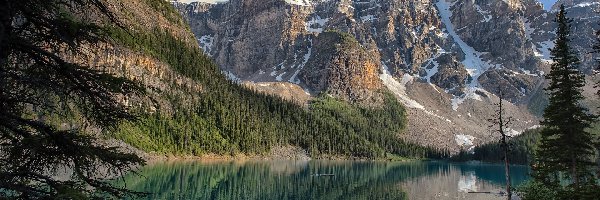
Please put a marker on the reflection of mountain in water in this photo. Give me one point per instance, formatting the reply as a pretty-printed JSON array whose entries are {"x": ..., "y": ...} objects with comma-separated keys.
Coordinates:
[
  {"x": 296, "y": 180},
  {"x": 468, "y": 183},
  {"x": 494, "y": 173},
  {"x": 456, "y": 180}
]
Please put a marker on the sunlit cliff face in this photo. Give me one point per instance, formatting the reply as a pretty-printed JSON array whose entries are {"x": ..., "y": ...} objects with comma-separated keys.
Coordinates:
[{"x": 442, "y": 59}]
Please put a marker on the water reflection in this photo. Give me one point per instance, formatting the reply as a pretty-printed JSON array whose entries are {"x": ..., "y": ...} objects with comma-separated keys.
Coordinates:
[
  {"x": 298, "y": 180},
  {"x": 463, "y": 181}
]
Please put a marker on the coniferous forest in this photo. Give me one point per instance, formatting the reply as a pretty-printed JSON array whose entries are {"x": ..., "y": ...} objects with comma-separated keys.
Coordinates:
[
  {"x": 61, "y": 115},
  {"x": 229, "y": 119},
  {"x": 521, "y": 152},
  {"x": 224, "y": 118}
]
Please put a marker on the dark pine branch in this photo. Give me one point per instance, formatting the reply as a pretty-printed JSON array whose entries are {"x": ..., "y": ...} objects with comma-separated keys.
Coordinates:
[{"x": 34, "y": 37}]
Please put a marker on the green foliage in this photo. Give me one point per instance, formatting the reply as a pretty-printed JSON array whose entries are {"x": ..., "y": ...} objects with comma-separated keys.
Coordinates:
[
  {"x": 375, "y": 129},
  {"x": 166, "y": 9},
  {"x": 276, "y": 180},
  {"x": 231, "y": 119},
  {"x": 563, "y": 167},
  {"x": 41, "y": 87},
  {"x": 521, "y": 152},
  {"x": 596, "y": 129},
  {"x": 344, "y": 38},
  {"x": 566, "y": 147},
  {"x": 533, "y": 190}
]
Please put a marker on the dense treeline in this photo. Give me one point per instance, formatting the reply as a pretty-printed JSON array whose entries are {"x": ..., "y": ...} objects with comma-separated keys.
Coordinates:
[
  {"x": 166, "y": 10},
  {"x": 521, "y": 150},
  {"x": 230, "y": 119}
]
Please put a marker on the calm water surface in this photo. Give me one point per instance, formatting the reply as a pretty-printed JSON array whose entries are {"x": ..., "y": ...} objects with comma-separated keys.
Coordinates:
[{"x": 300, "y": 180}]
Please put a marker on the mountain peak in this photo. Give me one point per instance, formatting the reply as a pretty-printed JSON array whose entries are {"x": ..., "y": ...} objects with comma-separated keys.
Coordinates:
[{"x": 443, "y": 59}]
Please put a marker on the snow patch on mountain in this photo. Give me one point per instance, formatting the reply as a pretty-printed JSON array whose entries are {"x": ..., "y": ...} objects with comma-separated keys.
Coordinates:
[
  {"x": 543, "y": 50},
  {"x": 474, "y": 65},
  {"x": 470, "y": 93},
  {"x": 473, "y": 62},
  {"x": 464, "y": 140},
  {"x": 433, "y": 64},
  {"x": 486, "y": 14},
  {"x": 399, "y": 88},
  {"x": 299, "y": 2},
  {"x": 586, "y": 4},
  {"x": 368, "y": 18},
  {"x": 512, "y": 132},
  {"x": 280, "y": 77},
  {"x": 206, "y": 43},
  {"x": 293, "y": 79},
  {"x": 432, "y": 71},
  {"x": 232, "y": 77},
  {"x": 316, "y": 24}
]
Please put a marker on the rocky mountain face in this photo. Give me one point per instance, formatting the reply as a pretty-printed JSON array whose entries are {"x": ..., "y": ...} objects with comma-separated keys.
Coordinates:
[
  {"x": 446, "y": 60},
  {"x": 159, "y": 79},
  {"x": 343, "y": 68}
]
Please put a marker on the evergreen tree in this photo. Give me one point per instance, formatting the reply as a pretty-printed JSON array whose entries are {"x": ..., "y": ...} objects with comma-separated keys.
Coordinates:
[
  {"x": 565, "y": 149},
  {"x": 230, "y": 119},
  {"x": 596, "y": 50},
  {"x": 36, "y": 80}
]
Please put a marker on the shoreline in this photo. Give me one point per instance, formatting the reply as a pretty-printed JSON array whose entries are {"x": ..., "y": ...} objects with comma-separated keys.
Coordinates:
[
  {"x": 152, "y": 158},
  {"x": 284, "y": 153}
]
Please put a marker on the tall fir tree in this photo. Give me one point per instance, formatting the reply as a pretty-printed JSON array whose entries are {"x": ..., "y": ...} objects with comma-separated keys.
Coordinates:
[
  {"x": 596, "y": 50},
  {"x": 38, "y": 159},
  {"x": 566, "y": 149}
]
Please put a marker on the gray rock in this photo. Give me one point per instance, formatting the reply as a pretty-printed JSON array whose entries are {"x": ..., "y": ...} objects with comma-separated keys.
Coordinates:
[{"x": 271, "y": 40}]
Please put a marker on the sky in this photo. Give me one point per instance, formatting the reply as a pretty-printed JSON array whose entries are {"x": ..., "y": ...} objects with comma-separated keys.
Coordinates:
[{"x": 547, "y": 3}]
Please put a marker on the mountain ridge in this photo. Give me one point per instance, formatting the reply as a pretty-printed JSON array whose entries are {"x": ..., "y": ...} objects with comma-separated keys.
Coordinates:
[
  {"x": 442, "y": 59},
  {"x": 189, "y": 107}
]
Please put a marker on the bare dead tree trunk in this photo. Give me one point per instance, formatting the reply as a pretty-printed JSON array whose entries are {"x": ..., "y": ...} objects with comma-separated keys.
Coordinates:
[
  {"x": 507, "y": 169},
  {"x": 505, "y": 148},
  {"x": 499, "y": 123}
]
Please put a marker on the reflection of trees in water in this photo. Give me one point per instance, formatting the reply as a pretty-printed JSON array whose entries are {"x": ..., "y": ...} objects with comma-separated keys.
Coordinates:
[
  {"x": 276, "y": 180},
  {"x": 285, "y": 179},
  {"x": 494, "y": 173},
  {"x": 455, "y": 180}
]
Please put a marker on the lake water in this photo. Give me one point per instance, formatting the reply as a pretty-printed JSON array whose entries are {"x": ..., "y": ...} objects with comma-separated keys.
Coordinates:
[{"x": 301, "y": 180}]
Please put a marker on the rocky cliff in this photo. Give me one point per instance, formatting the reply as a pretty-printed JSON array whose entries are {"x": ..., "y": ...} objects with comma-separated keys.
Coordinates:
[
  {"x": 444, "y": 59},
  {"x": 159, "y": 78},
  {"x": 343, "y": 68},
  {"x": 187, "y": 106}
]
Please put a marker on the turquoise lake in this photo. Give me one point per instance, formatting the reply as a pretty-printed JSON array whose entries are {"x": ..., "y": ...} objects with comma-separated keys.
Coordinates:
[{"x": 304, "y": 180}]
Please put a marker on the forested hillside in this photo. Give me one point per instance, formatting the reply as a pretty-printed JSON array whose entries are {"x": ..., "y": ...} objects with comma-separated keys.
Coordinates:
[
  {"x": 521, "y": 150},
  {"x": 226, "y": 118}
]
